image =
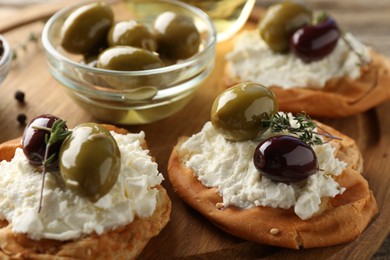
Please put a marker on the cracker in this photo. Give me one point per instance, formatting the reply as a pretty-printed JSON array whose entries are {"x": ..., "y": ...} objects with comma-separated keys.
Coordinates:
[
  {"x": 340, "y": 97},
  {"x": 124, "y": 242},
  {"x": 340, "y": 219}
]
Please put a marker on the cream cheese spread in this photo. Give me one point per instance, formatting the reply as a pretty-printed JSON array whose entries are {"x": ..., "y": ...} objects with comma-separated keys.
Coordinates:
[
  {"x": 65, "y": 215},
  {"x": 229, "y": 166},
  {"x": 252, "y": 60}
]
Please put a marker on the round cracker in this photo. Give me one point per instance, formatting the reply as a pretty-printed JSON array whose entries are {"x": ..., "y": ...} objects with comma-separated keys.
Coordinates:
[
  {"x": 125, "y": 242},
  {"x": 340, "y": 97},
  {"x": 341, "y": 219}
]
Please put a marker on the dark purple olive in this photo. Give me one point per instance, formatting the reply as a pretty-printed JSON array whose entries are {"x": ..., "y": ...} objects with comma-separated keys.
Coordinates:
[
  {"x": 285, "y": 158},
  {"x": 312, "y": 43},
  {"x": 33, "y": 141}
]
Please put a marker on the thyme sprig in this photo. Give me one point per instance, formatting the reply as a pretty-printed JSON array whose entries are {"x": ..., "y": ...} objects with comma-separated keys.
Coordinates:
[
  {"x": 363, "y": 61},
  {"x": 304, "y": 129},
  {"x": 31, "y": 38},
  {"x": 56, "y": 133}
]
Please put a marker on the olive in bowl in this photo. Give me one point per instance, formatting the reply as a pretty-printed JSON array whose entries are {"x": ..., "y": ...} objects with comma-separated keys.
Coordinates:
[
  {"x": 123, "y": 96},
  {"x": 131, "y": 33},
  {"x": 85, "y": 29},
  {"x": 128, "y": 58},
  {"x": 176, "y": 35}
]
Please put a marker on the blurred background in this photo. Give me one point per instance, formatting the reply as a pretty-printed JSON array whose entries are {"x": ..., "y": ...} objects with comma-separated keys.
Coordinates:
[{"x": 368, "y": 20}]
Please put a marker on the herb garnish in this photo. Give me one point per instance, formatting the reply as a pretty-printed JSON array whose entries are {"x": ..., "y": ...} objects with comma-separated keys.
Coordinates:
[
  {"x": 363, "y": 61},
  {"x": 304, "y": 130},
  {"x": 57, "y": 133},
  {"x": 32, "y": 38}
]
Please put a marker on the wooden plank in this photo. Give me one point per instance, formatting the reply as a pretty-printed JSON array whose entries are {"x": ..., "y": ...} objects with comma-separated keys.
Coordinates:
[{"x": 189, "y": 234}]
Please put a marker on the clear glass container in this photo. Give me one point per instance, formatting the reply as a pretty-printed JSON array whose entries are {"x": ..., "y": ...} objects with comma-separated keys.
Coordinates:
[
  {"x": 228, "y": 16},
  {"x": 5, "y": 59},
  {"x": 143, "y": 96}
]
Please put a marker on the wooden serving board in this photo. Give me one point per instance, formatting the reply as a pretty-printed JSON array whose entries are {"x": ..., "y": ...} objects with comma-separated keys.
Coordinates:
[{"x": 188, "y": 234}]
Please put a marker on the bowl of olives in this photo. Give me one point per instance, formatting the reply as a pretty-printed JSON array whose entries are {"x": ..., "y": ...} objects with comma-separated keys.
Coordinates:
[
  {"x": 5, "y": 58},
  {"x": 130, "y": 62}
]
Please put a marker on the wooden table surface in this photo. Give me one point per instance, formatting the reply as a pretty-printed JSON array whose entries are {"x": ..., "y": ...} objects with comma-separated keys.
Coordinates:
[{"x": 189, "y": 235}]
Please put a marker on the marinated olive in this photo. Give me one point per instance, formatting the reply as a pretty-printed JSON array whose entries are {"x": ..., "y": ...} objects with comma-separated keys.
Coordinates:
[
  {"x": 85, "y": 30},
  {"x": 131, "y": 33},
  {"x": 315, "y": 42},
  {"x": 177, "y": 36},
  {"x": 90, "y": 161},
  {"x": 285, "y": 158},
  {"x": 33, "y": 140},
  {"x": 281, "y": 21},
  {"x": 1, "y": 49},
  {"x": 237, "y": 113},
  {"x": 126, "y": 58}
]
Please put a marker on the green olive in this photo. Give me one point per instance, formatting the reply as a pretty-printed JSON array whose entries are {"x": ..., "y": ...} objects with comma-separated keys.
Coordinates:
[
  {"x": 85, "y": 30},
  {"x": 177, "y": 36},
  {"x": 281, "y": 21},
  {"x": 237, "y": 112},
  {"x": 126, "y": 58},
  {"x": 90, "y": 161},
  {"x": 131, "y": 33}
]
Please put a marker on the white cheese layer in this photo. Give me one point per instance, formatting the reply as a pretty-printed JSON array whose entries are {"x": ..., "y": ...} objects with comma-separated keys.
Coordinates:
[
  {"x": 252, "y": 60},
  {"x": 229, "y": 166},
  {"x": 65, "y": 215}
]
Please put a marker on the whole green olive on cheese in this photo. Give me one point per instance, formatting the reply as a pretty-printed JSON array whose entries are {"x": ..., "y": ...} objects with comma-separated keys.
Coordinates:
[
  {"x": 177, "y": 36},
  {"x": 85, "y": 30},
  {"x": 131, "y": 33},
  {"x": 90, "y": 161},
  {"x": 237, "y": 113},
  {"x": 126, "y": 58},
  {"x": 280, "y": 21}
]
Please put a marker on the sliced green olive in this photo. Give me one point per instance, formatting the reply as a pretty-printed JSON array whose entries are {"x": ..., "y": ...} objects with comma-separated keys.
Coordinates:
[
  {"x": 281, "y": 21},
  {"x": 90, "y": 161},
  {"x": 177, "y": 36},
  {"x": 237, "y": 112},
  {"x": 126, "y": 58},
  {"x": 85, "y": 30},
  {"x": 131, "y": 33}
]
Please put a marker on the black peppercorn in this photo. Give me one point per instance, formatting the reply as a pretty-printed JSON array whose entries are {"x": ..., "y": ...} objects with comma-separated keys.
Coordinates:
[
  {"x": 22, "y": 119},
  {"x": 19, "y": 96}
]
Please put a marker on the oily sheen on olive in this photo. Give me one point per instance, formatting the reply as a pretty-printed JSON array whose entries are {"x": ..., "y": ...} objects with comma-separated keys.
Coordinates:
[
  {"x": 90, "y": 161},
  {"x": 177, "y": 36},
  {"x": 126, "y": 58},
  {"x": 285, "y": 158},
  {"x": 85, "y": 30},
  {"x": 281, "y": 21},
  {"x": 312, "y": 43},
  {"x": 237, "y": 112},
  {"x": 33, "y": 140},
  {"x": 131, "y": 33},
  {"x": 1, "y": 49}
]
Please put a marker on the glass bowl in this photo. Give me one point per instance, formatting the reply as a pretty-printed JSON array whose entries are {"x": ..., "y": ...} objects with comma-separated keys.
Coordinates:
[
  {"x": 5, "y": 59},
  {"x": 132, "y": 97}
]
